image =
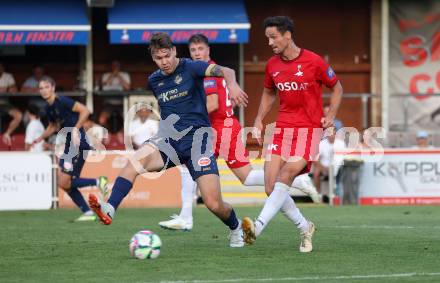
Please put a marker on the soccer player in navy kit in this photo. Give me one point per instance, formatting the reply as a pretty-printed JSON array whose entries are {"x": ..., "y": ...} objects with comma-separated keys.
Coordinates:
[
  {"x": 68, "y": 116},
  {"x": 183, "y": 136}
]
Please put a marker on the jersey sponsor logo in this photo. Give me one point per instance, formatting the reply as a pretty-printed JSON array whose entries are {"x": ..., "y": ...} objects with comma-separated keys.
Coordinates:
[
  {"x": 229, "y": 113},
  {"x": 299, "y": 73},
  {"x": 165, "y": 96},
  {"x": 330, "y": 73},
  {"x": 286, "y": 86},
  {"x": 274, "y": 74},
  {"x": 178, "y": 79},
  {"x": 204, "y": 161},
  {"x": 272, "y": 147},
  {"x": 209, "y": 83},
  {"x": 171, "y": 95}
]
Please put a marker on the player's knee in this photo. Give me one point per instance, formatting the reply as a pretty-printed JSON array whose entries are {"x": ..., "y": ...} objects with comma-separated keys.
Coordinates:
[
  {"x": 129, "y": 172},
  {"x": 65, "y": 185},
  {"x": 268, "y": 187},
  {"x": 212, "y": 204}
]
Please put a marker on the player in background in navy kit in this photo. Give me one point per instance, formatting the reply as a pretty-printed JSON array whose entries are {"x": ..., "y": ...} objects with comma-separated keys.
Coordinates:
[
  {"x": 183, "y": 136},
  {"x": 68, "y": 115}
]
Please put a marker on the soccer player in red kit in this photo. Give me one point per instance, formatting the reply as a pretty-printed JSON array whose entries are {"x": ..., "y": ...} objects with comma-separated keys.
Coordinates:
[
  {"x": 296, "y": 76},
  {"x": 228, "y": 144}
]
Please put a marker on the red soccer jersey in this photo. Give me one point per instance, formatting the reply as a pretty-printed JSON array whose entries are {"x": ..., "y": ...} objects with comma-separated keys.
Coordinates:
[
  {"x": 214, "y": 85},
  {"x": 299, "y": 82}
]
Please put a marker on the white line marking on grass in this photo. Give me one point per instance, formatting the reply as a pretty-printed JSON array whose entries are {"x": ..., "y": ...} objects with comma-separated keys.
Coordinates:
[
  {"x": 316, "y": 278},
  {"x": 379, "y": 227}
]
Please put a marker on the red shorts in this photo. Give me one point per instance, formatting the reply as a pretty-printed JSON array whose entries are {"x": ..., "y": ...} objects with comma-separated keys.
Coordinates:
[
  {"x": 296, "y": 142},
  {"x": 228, "y": 144}
]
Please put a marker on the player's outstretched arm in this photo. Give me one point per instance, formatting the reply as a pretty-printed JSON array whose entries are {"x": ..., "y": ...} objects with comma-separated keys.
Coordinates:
[
  {"x": 83, "y": 114},
  {"x": 335, "y": 101},
  {"x": 51, "y": 128},
  {"x": 268, "y": 98},
  {"x": 238, "y": 96}
]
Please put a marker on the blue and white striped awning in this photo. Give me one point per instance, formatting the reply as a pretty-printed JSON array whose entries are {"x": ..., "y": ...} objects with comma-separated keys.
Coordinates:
[
  {"x": 134, "y": 21},
  {"x": 48, "y": 22}
]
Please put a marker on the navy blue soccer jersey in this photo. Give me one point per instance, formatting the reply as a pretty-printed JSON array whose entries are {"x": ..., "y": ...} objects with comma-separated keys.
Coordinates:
[
  {"x": 182, "y": 93},
  {"x": 61, "y": 112}
]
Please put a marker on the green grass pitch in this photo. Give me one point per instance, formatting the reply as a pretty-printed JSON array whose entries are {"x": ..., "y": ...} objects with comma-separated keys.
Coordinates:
[{"x": 352, "y": 244}]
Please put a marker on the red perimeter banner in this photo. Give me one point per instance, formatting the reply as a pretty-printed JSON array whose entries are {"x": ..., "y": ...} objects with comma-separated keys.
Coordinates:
[{"x": 415, "y": 64}]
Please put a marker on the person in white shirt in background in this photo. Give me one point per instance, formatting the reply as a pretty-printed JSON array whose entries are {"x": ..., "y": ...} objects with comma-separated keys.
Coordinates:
[
  {"x": 34, "y": 130},
  {"x": 143, "y": 127},
  {"x": 116, "y": 79},
  {"x": 327, "y": 147},
  {"x": 97, "y": 134},
  {"x": 7, "y": 82}
]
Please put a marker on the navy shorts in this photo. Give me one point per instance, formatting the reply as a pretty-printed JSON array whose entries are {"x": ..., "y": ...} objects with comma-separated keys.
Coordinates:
[
  {"x": 198, "y": 157},
  {"x": 72, "y": 162}
]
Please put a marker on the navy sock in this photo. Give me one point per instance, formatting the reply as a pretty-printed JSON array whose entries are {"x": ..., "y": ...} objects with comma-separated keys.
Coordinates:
[
  {"x": 78, "y": 199},
  {"x": 231, "y": 221},
  {"x": 121, "y": 188},
  {"x": 82, "y": 182}
]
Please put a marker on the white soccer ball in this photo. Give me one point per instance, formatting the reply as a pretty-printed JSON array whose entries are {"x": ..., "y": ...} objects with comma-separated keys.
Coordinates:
[{"x": 145, "y": 244}]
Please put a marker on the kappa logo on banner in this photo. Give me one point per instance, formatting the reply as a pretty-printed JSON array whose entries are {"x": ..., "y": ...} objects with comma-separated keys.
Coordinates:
[{"x": 204, "y": 161}]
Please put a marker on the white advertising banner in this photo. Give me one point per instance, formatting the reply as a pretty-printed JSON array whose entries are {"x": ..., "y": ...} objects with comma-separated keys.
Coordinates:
[
  {"x": 399, "y": 177},
  {"x": 25, "y": 181}
]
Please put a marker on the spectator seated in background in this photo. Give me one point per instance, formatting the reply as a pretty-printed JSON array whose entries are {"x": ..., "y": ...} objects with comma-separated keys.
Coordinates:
[
  {"x": 15, "y": 121},
  {"x": 326, "y": 149},
  {"x": 111, "y": 119},
  {"x": 34, "y": 130},
  {"x": 116, "y": 79},
  {"x": 31, "y": 83},
  {"x": 96, "y": 134},
  {"x": 7, "y": 82},
  {"x": 422, "y": 141},
  {"x": 143, "y": 127}
]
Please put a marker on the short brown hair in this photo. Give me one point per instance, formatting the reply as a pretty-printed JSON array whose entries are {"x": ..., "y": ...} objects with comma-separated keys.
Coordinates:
[
  {"x": 48, "y": 80},
  {"x": 160, "y": 40},
  {"x": 198, "y": 38}
]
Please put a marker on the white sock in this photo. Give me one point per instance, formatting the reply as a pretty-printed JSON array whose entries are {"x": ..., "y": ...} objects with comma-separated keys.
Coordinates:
[
  {"x": 292, "y": 213},
  {"x": 271, "y": 207},
  {"x": 188, "y": 191},
  {"x": 255, "y": 178}
]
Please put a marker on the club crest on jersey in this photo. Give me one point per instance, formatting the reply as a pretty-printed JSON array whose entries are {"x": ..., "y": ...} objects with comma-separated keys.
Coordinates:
[
  {"x": 67, "y": 166},
  {"x": 178, "y": 79},
  {"x": 330, "y": 73},
  {"x": 299, "y": 73},
  {"x": 204, "y": 161}
]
